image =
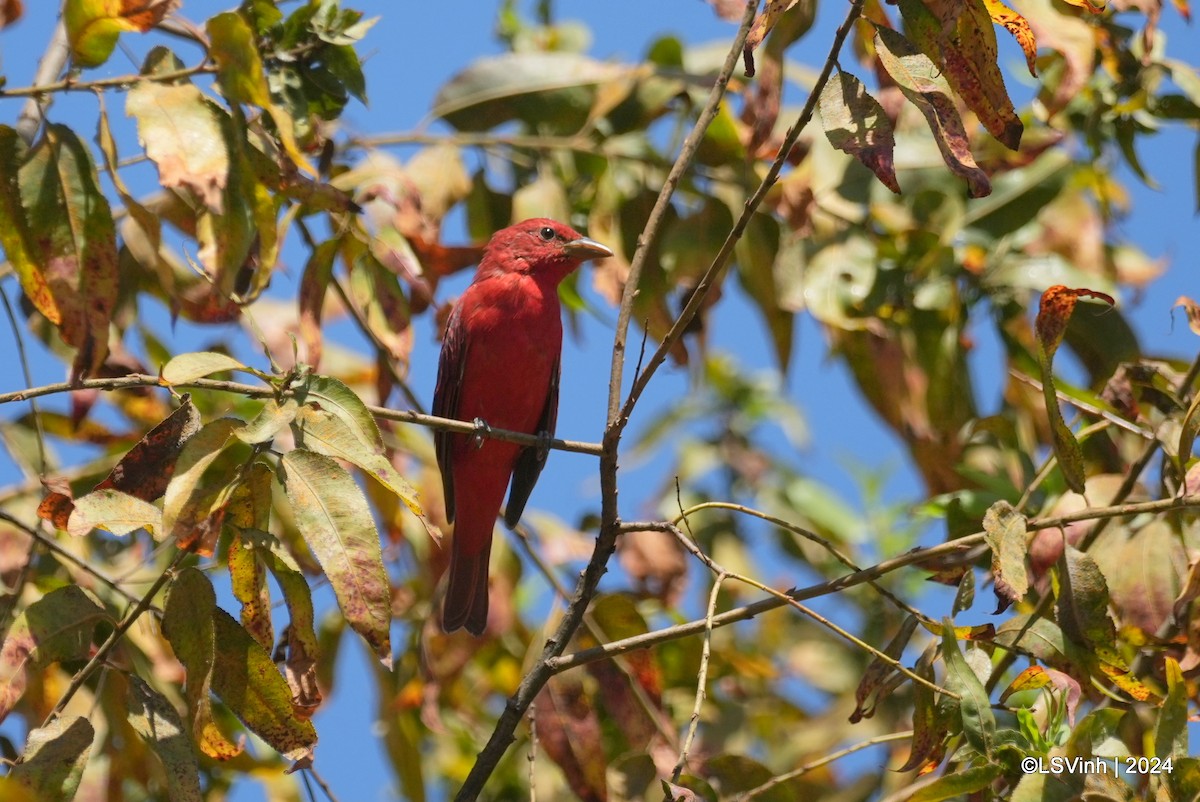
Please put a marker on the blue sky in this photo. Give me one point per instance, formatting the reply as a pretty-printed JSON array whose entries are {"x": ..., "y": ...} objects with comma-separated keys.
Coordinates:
[{"x": 414, "y": 48}]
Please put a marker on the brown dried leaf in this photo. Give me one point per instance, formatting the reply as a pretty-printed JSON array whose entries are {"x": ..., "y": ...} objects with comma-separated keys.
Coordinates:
[
  {"x": 569, "y": 732},
  {"x": 147, "y": 469},
  {"x": 10, "y": 12},
  {"x": 656, "y": 563},
  {"x": 762, "y": 26}
]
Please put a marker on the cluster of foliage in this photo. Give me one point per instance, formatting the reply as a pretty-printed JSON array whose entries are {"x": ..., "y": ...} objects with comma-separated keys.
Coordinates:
[{"x": 928, "y": 208}]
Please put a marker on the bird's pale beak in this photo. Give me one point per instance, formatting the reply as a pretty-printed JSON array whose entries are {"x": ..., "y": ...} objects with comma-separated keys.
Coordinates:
[{"x": 584, "y": 248}]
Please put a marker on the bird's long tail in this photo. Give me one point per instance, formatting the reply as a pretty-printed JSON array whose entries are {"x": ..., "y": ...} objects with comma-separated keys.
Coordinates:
[{"x": 467, "y": 594}]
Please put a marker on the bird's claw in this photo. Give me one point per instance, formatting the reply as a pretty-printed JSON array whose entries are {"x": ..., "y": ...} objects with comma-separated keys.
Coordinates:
[{"x": 481, "y": 429}]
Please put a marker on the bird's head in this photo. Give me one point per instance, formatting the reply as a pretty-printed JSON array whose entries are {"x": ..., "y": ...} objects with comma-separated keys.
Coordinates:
[{"x": 541, "y": 247}]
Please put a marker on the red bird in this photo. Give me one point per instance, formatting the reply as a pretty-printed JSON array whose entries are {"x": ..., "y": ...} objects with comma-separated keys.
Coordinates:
[{"x": 499, "y": 368}]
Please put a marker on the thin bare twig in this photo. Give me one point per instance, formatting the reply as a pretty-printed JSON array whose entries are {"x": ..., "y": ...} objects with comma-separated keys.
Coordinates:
[
  {"x": 260, "y": 391},
  {"x": 69, "y": 84},
  {"x": 822, "y": 761},
  {"x": 960, "y": 545}
]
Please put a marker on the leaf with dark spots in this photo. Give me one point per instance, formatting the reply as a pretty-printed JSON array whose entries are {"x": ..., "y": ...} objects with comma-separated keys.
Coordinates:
[
  {"x": 925, "y": 86},
  {"x": 147, "y": 469},
  {"x": 246, "y": 679}
]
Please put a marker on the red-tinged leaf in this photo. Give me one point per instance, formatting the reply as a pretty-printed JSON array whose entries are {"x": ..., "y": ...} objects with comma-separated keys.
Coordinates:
[
  {"x": 1171, "y": 731},
  {"x": 569, "y": 733},
  {"x": 115, "y": 512},
  {"x": 1054, "y": 313},
  {"x": 54, "y": 758},
  {"x": 147, "y": 469},
  {"x": 1018, "y": 26},
  {"x": 94, "y": 25},
  {"x": 183, "y": 134},
  {"x": 335, "y": 521},
  {"x": 1192, "y": 309},
  {"x": 188, "y": 626},
  {"x": 879, "y": 671},
  {"x": 959, "y": 37},
  {"x": 974, "y": 707},
  {"x": 54, "y": 628},
  {"x": 1030, "y": 679},
  {"x": 193, "y": 510},
  {"x": 1145, "y": 575},
  {"x": 247, "y": 681},
  {"x": 1006, "y": 535},
  {"x": 154, "y": 718},
  {"x": 186, "y": 368},
  {"x": 923, "y": 83},
  {"x": 1083, "y": 601},
  {"x": 856, "y": 124},
  {"x": 313, "y": 285},
  {"x": 57, "y": 231}
]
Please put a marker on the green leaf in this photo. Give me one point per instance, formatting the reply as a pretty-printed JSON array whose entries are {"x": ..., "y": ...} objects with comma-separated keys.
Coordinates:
[
  {"x": 57, "y": 230},
  {"x": 337, "y": 399},
  {"x": 533, "y": 85},
  {"x": 56, "y": 627},
  {"x": 979, "y": 723},
  {"x": 1171, "y": 731},
  {"x": 756, "y": 265},
  {"x": 115, "y": 512},
  {"x": 155, "y": 719},
  {"x": 186, "y": 368},
  {"x": 248, "y": 682},
  {"x": 273, "y": 418},
  {"x": 958, "y": 784},
  {"x": 1083, "y": 601},
  {"x": 325, "y": 433},
  {"x": 333, "y": 517},
  {"x": 1005, "y": 533},
  {"x": 856, "y": 124},
  {"x": 54, "y": 759},
  {"x": 187, "y": 625}
]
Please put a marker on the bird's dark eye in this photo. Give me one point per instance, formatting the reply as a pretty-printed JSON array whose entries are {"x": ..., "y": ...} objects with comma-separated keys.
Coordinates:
[{"x": 547, "y": 233}]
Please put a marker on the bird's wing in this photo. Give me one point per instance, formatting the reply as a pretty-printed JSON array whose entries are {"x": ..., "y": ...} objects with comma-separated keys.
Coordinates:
[
  {"x": 532, "y": 459},
  {"x": 445, "y": 402}
]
